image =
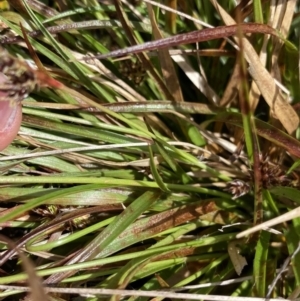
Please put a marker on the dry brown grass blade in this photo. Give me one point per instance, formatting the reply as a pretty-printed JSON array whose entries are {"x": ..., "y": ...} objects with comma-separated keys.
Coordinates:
[
  {"x": 142, "y": 56},
  {"x": 231, "y": 90},
  {"x": 255, "y": 93},
  {"x": 34, "y": 281},
  {"x": 295, "y": 213},
  {"x": 283, "y": 20},
  {"x": 265, "y": 82},
  {"x": 170, "y": 16},
  {"x": 166, "y": 62}
]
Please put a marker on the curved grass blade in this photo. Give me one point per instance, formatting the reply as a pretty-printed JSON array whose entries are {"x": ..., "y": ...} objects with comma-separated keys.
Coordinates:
[
  {"x": 158, "y": 179},
  {"x": 266, "y": 131}
]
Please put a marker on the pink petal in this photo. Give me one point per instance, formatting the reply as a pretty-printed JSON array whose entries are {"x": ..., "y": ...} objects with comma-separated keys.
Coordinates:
[{"x": 10, "y": 122}]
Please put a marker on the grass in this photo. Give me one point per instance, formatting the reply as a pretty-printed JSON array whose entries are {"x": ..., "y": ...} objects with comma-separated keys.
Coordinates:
[{"x": 135, "y": 177}]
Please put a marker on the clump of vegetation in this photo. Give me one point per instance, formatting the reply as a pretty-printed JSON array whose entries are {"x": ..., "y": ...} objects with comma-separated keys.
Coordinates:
[{"x": 147, "y": 163}]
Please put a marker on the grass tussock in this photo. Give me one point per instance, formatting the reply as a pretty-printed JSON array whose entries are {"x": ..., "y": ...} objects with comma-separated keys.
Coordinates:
[{"x": 143, "y": 156}]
